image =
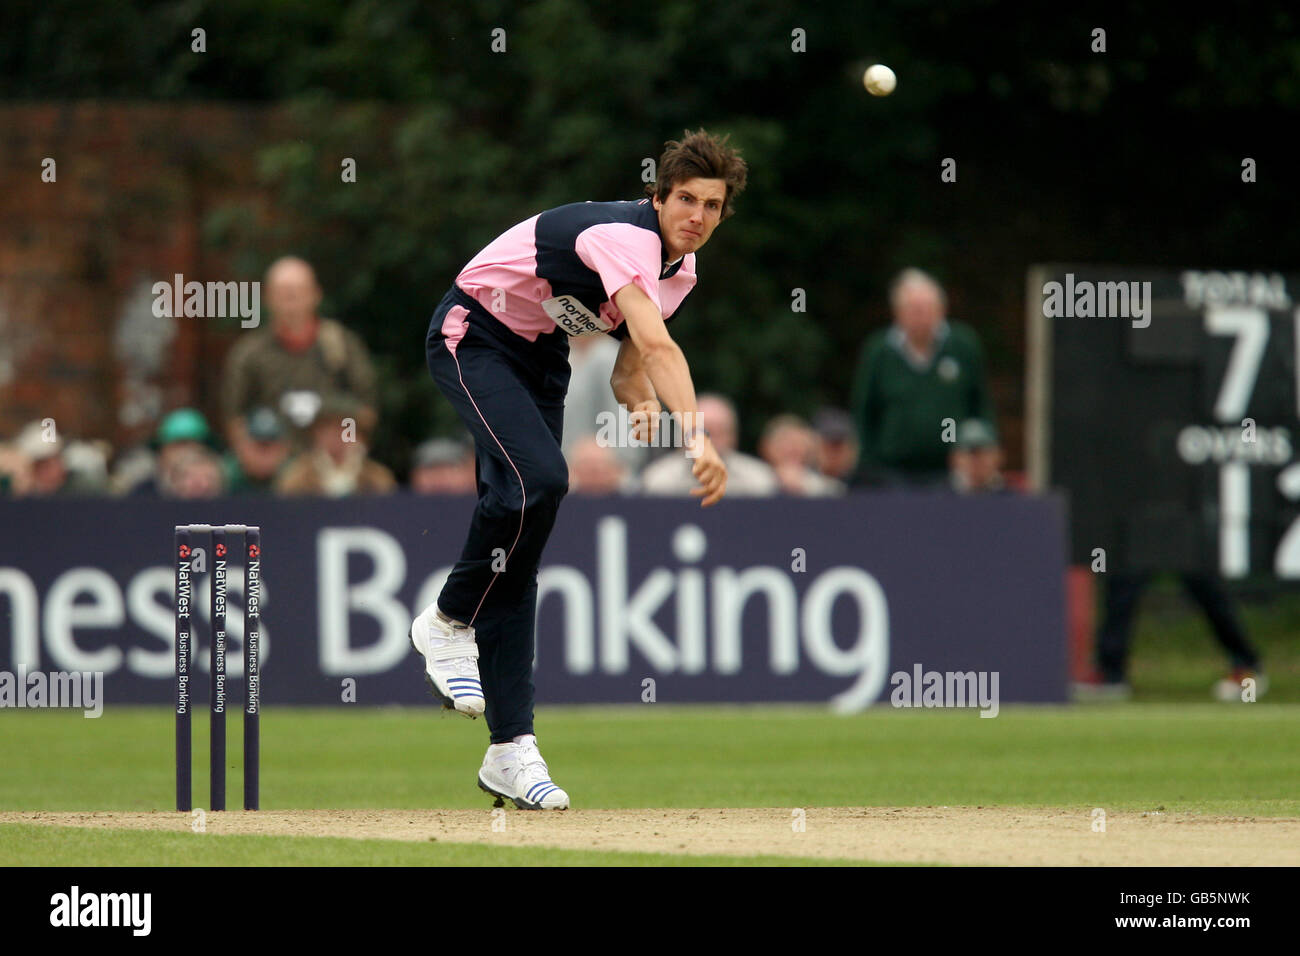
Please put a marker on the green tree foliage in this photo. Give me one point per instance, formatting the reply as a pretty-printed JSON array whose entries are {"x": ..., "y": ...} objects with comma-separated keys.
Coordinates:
[{"x": 1129, "y": 156}]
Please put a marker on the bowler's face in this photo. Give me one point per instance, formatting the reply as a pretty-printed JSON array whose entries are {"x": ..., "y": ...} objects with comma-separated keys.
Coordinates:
[{"x": 690, "y": 214}]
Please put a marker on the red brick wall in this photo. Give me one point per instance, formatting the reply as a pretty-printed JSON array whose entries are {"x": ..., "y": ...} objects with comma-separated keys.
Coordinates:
[{"x": 135, "y": 183}]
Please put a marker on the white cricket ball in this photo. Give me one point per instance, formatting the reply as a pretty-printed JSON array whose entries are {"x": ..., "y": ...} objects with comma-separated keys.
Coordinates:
[{"x": 879, "y": 80}]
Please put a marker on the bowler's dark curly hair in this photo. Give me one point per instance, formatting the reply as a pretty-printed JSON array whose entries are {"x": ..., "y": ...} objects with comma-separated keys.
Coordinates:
[{"x": 704, "y": 156}]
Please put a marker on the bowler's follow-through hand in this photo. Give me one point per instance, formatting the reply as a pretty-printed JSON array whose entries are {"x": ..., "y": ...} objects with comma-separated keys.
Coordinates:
[{"x": 709, "y": 470}]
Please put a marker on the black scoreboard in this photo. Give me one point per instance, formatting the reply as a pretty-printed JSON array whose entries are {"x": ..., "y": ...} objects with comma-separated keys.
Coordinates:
[{"x": 1167, "y": 406}]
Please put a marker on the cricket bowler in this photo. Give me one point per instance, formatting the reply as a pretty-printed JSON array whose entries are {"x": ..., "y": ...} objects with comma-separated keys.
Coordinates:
[{"x": 498, "y": 348}]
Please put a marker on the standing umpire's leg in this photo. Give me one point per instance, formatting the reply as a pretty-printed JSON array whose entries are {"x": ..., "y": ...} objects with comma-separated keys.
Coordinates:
[
  {"x": 1208, "y": 592},
  {"x": 1116, "y": 634}
]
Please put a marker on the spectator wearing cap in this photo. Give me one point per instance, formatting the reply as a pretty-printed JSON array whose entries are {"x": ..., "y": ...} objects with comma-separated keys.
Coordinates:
[
  {"x": 975, "y": 462},
  {"x": 42, "y": 447},
  {"x": 337, "y": 464},
  {"x": 788, "y": 445},
  {"x": 291, "y": 366},
  {"x": 260, "y": 451},
  {"x": 443, "y": 466},
  {"x": 40, "y": 463},
  {"x": 837, "y": 443},
  {"x": 186, "y": 464},
  {"x": 921, "y": 376}
]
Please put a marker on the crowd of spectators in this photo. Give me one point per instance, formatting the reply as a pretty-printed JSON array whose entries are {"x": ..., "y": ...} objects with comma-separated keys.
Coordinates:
[{"x": 299, "y": 404}]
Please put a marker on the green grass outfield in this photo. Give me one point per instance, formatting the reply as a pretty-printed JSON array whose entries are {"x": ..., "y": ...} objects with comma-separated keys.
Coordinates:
[{"x": 1238, "y": 759}]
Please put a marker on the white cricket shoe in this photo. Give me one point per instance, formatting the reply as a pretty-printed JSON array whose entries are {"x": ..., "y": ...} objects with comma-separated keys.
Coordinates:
[
  {"x": 450, "y": 662},
  {"x": 516, "y": 771}
]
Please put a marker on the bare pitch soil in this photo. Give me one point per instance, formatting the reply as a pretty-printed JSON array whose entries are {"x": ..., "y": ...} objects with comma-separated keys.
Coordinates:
[{"x": 956, "y": 835}]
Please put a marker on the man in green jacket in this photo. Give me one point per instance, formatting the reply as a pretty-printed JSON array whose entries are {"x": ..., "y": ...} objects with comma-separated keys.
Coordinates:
[{"x": 916, "y": 383}]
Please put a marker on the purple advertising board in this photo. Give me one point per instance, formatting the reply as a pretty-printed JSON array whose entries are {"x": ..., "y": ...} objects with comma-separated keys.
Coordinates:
[{"x": 750, "y": 601}]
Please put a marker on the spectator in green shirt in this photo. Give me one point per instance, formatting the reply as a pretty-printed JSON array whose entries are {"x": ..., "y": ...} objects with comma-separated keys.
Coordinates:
[
  {"x": 294, "y": 364},
  {"x": 916, "y": 381}
]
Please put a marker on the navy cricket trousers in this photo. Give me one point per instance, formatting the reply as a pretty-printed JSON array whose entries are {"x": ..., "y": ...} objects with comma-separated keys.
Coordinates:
[{"x": 509, "y": 392}]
